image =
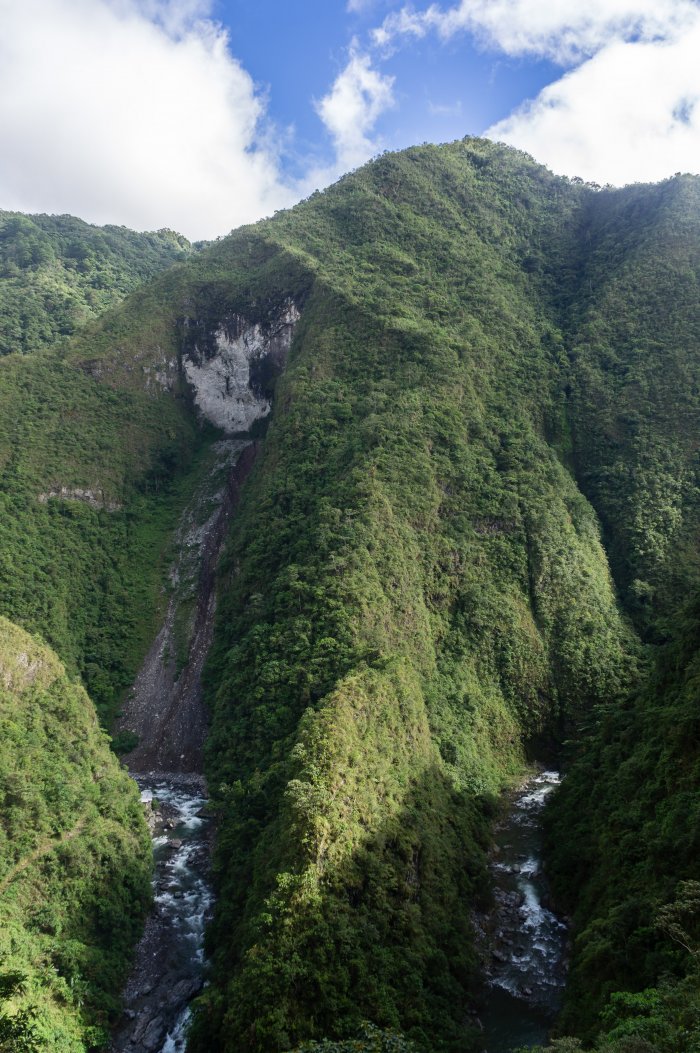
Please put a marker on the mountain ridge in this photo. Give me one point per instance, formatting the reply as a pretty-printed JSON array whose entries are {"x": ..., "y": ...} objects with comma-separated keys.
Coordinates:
[{"x": 490, "y": 363}]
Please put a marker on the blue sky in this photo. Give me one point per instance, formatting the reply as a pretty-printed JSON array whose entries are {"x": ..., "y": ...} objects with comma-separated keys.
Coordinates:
[
  {"x": 443, "y": 90},
  {"x": 200, "y": 115}
]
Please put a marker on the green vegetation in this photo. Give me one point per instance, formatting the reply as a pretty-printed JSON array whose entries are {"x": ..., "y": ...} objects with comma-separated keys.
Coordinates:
[
  {"x": 420, "y": 588},
  {"x": 414, "y": 589},
  {"x": 624, "y": 830},
  {"x": 74, "y": 858},
  {"x": 57, "y": 272},
  {"x": 369, "y": 1039},
  {"x": 94, "y": 475},
  {"x": 471, "y": 533},
  {"x": 88, "y": 473},
  {"x": 88, "y": 501}
]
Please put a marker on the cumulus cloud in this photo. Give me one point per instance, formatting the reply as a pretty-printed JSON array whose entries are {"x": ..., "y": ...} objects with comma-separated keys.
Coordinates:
[
  {"x": 131, "y": 111},
  {"x": 563, "y": 30},
  {"x": 631, "y": 113},
  {"x": 627, "y": 107},
  {"x": 176, "y": 16},
  {"x": 350, "y": 110}
]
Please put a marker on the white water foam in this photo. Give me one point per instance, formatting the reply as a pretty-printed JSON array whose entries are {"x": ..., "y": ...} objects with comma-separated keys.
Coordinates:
[
  {"x": 182, "y": 894},
  {"x": 528, "y": 967}
]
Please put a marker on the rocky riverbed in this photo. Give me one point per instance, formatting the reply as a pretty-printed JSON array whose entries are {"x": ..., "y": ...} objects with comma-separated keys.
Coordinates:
[
  {"x": 525, "y": 942},
  {"x": 169, "y": 966}
]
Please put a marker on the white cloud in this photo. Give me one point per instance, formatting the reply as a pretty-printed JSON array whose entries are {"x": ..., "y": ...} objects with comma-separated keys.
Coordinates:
[
  {"x": 628, "y": 108},
  {"x": 131, "y": 111},
  {"x": 631, "y": 113},
  {"x": 350, "y": 110},
  {"x": 136, "y": 112},
  {"x": 563, "y": 30},
  {"x": 175, "y": 16}
]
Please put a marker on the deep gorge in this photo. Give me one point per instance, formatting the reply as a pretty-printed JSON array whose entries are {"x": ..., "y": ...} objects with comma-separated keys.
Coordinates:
[{"x": 468, "y": 531}]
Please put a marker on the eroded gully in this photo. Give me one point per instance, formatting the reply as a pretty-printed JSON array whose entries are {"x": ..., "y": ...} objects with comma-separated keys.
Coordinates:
[{"x": 165, "y": 709}]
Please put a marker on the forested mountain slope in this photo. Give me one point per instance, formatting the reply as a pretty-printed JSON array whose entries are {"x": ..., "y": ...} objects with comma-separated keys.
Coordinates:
[
  {"x": 74, "y": 869},
  {"x": 91, "y": 483},
  {"x": 419, "y": 587},
  {"x": 57, "y": 272},
  {"x": 634, "y": 409},
  {"x": 471, "y": 524}
]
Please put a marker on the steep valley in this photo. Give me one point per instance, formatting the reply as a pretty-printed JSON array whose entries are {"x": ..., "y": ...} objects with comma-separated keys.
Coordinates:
[
  {"x": 165, "y": 716},
  {"x": 455, "y": 403}
]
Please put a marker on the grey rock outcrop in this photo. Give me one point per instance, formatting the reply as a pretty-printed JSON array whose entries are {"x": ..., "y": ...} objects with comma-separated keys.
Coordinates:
[{"x": 232, "y": 369}]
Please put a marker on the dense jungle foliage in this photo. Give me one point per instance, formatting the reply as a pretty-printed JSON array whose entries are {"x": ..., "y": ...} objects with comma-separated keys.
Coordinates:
[
  {"x": 57, "y": 272},
  {"x": 624, "y": 833},
  {"x": 487, "y": 355},
  {"x": 471, "y": 534},
  {"x": 92, "y": 481},
  {"x": 90, "y": 484},
  {"x": 415, "y": 587},
  {"x": 74, "y": 859}
]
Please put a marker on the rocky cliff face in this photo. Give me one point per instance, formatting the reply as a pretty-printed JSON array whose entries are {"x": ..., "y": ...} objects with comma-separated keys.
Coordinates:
[{"x": 231, "y": 366}]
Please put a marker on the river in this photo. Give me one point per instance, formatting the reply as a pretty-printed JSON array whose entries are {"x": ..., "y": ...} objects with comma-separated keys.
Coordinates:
[
  {"x": 169, "y": 966},
  {"x": 527, "y": 942}
]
